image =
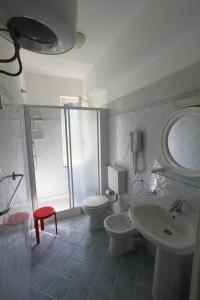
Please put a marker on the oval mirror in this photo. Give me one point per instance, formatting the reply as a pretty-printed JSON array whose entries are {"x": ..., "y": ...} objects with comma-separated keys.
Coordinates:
[{"x": 181, "y": 141}]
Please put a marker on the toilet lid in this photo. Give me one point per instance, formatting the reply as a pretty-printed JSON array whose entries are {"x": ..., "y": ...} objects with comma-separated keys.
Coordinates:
[{"x": 96, "y": 201}]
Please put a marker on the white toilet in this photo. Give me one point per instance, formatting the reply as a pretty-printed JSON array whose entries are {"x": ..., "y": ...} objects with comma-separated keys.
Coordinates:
[
  {"x": 99, "y": 207},
  {"x": 122, "y": 231}
]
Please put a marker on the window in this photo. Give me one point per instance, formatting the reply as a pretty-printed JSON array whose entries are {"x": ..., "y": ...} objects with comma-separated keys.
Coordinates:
[{"x": 72, "y": 102}]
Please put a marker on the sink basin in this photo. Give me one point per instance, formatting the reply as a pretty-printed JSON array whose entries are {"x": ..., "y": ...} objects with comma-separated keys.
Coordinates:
[{"x": 173, "y": 232}]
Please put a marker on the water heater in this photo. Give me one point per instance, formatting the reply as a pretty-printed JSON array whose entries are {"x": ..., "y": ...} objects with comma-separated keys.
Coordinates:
[{"x": 43, "y": 26}]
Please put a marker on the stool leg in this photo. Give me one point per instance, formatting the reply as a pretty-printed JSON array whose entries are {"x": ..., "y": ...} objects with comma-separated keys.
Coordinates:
[
  {"x": 42, "y": 224},
  {"x": 56, "y": 223},
  {"x": 37, "y": 231}
]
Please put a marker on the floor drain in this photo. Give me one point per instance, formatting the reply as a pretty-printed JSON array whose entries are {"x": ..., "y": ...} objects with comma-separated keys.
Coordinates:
[{"x": 168, "y": 232}]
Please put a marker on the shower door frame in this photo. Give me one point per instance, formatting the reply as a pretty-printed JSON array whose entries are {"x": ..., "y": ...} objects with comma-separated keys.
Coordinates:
[
  {"x": 69, "y": 153},
  {"x": 66, "y": 110}
]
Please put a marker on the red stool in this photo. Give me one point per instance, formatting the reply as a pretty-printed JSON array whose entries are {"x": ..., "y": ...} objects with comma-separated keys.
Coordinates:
[{"x": 39, "y": 215}]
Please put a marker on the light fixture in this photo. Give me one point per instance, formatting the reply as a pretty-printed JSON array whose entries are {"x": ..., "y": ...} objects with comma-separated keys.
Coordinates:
[{"x": 42, "y": 26}]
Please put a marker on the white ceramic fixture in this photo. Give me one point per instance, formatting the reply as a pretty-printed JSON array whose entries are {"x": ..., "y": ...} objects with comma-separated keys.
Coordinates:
[
  {"x": 174, "y": 233},
  {"x": 99, "y": 207},
  {"x": 121, "y": 230},
  {"x": 174, "y": 236}
]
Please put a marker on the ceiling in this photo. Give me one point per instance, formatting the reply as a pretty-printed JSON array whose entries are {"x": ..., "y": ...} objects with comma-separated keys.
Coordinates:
[
  {"x": 125, "y": 37},
  {"x": 101, "y": 21}
]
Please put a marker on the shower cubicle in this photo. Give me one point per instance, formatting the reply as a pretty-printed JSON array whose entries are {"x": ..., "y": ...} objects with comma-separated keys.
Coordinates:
[{"x": 67, "y": 154}]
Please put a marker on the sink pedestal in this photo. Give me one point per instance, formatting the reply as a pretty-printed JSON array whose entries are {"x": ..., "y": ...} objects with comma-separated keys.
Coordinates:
[{"x": 171, "y": 280}]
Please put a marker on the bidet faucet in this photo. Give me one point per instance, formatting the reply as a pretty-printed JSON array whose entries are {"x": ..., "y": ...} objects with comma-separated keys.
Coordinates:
[{"x": 177, "y": 206}]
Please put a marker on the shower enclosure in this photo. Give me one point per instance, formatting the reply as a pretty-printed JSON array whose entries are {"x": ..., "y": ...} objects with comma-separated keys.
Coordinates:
[{"x": 67, "y": 152}]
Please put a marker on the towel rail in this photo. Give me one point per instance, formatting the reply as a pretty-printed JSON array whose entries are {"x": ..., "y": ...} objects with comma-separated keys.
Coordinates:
[{"x": 10, "y": 202}]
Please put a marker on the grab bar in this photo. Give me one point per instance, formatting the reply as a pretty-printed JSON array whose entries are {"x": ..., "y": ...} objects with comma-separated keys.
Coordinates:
[{"x": 13, "y": 176}]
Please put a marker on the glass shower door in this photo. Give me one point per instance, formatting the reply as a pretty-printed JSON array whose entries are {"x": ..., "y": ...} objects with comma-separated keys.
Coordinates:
[
  {"x": 51, "y": 168},
  {"x": 83, "y": 152}
]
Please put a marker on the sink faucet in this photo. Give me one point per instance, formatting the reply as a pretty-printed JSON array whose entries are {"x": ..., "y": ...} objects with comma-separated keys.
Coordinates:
[{"x": 177, "y": 206}]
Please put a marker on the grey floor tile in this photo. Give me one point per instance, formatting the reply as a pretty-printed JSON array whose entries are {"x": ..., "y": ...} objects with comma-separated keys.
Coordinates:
[
  {"x": 38, "y": 295},
  {"x": 50, "y": 228},
  {"x": 72, "y": 269},
  {"x": 103, "y": 236},
  {"x": 145, "y": 275},
  {"x": 146, "y": 259},
  {"x": 100, "y": 248},
  {"x": 64, "y": 233},
  {"x": 65, "y": 266},
  {"x": 86, "y": 276},
  {"x": 43, "y": 258},
  {"x": 61, "y": 246},
  {"x": 83, "y": 225},
  {"x": 46, "y": 297},
  {"x": 128, "y": 271},
  {"x": 105, "y": 281},
  {"x": 80, "y": 253},
  {"x": 132, "y": 256},
  {"x": 58, "y": 263},
  {"x": 59, "y": 287},
  {"x": 99, "y": 294},
  {"x": 93, "y": 233},
  {"x": 35, "y": 294},
  {"x": 95, "y": 260},
  {"x": 77, "y": 292},
  {"x": 45, "y": 240},
  {"x": 42, "y": 277},
  {"x": 75, "y": 237},
  {"x": 87, "y": 241},
  {"x": 111, "y": 263},
  {"x": 76, "y": 265},
  {"x": 123, "y": 290},
  {"x": 143, "y": 293}
]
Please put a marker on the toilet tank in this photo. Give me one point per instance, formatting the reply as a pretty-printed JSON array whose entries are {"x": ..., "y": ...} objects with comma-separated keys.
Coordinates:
[{"x": 117, "y": 179}]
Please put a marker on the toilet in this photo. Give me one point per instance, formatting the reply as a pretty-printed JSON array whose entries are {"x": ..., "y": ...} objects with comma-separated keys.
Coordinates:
[
  {"x": 122, "y": 232},
  {"x": 99, "y": 207}
]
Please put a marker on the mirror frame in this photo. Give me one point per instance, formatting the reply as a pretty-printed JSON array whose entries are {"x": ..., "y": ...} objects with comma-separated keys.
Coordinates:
[{"x": 193, "y": 111}]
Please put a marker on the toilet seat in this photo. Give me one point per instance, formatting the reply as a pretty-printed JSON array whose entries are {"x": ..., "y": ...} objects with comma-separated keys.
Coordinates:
[{"x": 96, "y": 202}]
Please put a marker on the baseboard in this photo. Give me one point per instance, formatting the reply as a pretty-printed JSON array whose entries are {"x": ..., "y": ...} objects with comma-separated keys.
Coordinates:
[{"x": 69, "y": 213}]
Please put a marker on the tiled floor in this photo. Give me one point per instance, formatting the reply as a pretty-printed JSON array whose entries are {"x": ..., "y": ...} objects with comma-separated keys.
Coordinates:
[{"x": 76, "y": 265}]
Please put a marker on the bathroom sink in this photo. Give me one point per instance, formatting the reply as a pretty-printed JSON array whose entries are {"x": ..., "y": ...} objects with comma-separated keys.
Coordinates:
[{"x": 173, "y": 232}]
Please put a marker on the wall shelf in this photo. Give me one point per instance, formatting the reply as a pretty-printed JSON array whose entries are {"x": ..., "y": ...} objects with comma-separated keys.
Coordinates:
[{"x": 191, "y": 181}]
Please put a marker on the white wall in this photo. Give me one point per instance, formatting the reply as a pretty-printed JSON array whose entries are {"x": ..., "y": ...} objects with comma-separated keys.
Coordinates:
[
  {"x": 46, "y": 90},
  {"x": 163, "y": 38},
  {"x": 153, "y": 109}
]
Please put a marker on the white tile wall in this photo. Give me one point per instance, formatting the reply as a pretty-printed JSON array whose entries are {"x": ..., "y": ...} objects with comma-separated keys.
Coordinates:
[
  {"x": 14, "y": 250},
  {"x": 13, "y": 151},
  {"x": 150, "y": 119}
]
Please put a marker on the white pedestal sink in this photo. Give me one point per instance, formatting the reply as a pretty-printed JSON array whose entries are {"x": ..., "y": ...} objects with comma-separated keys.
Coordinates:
[{"x": 174, "y": 236}]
